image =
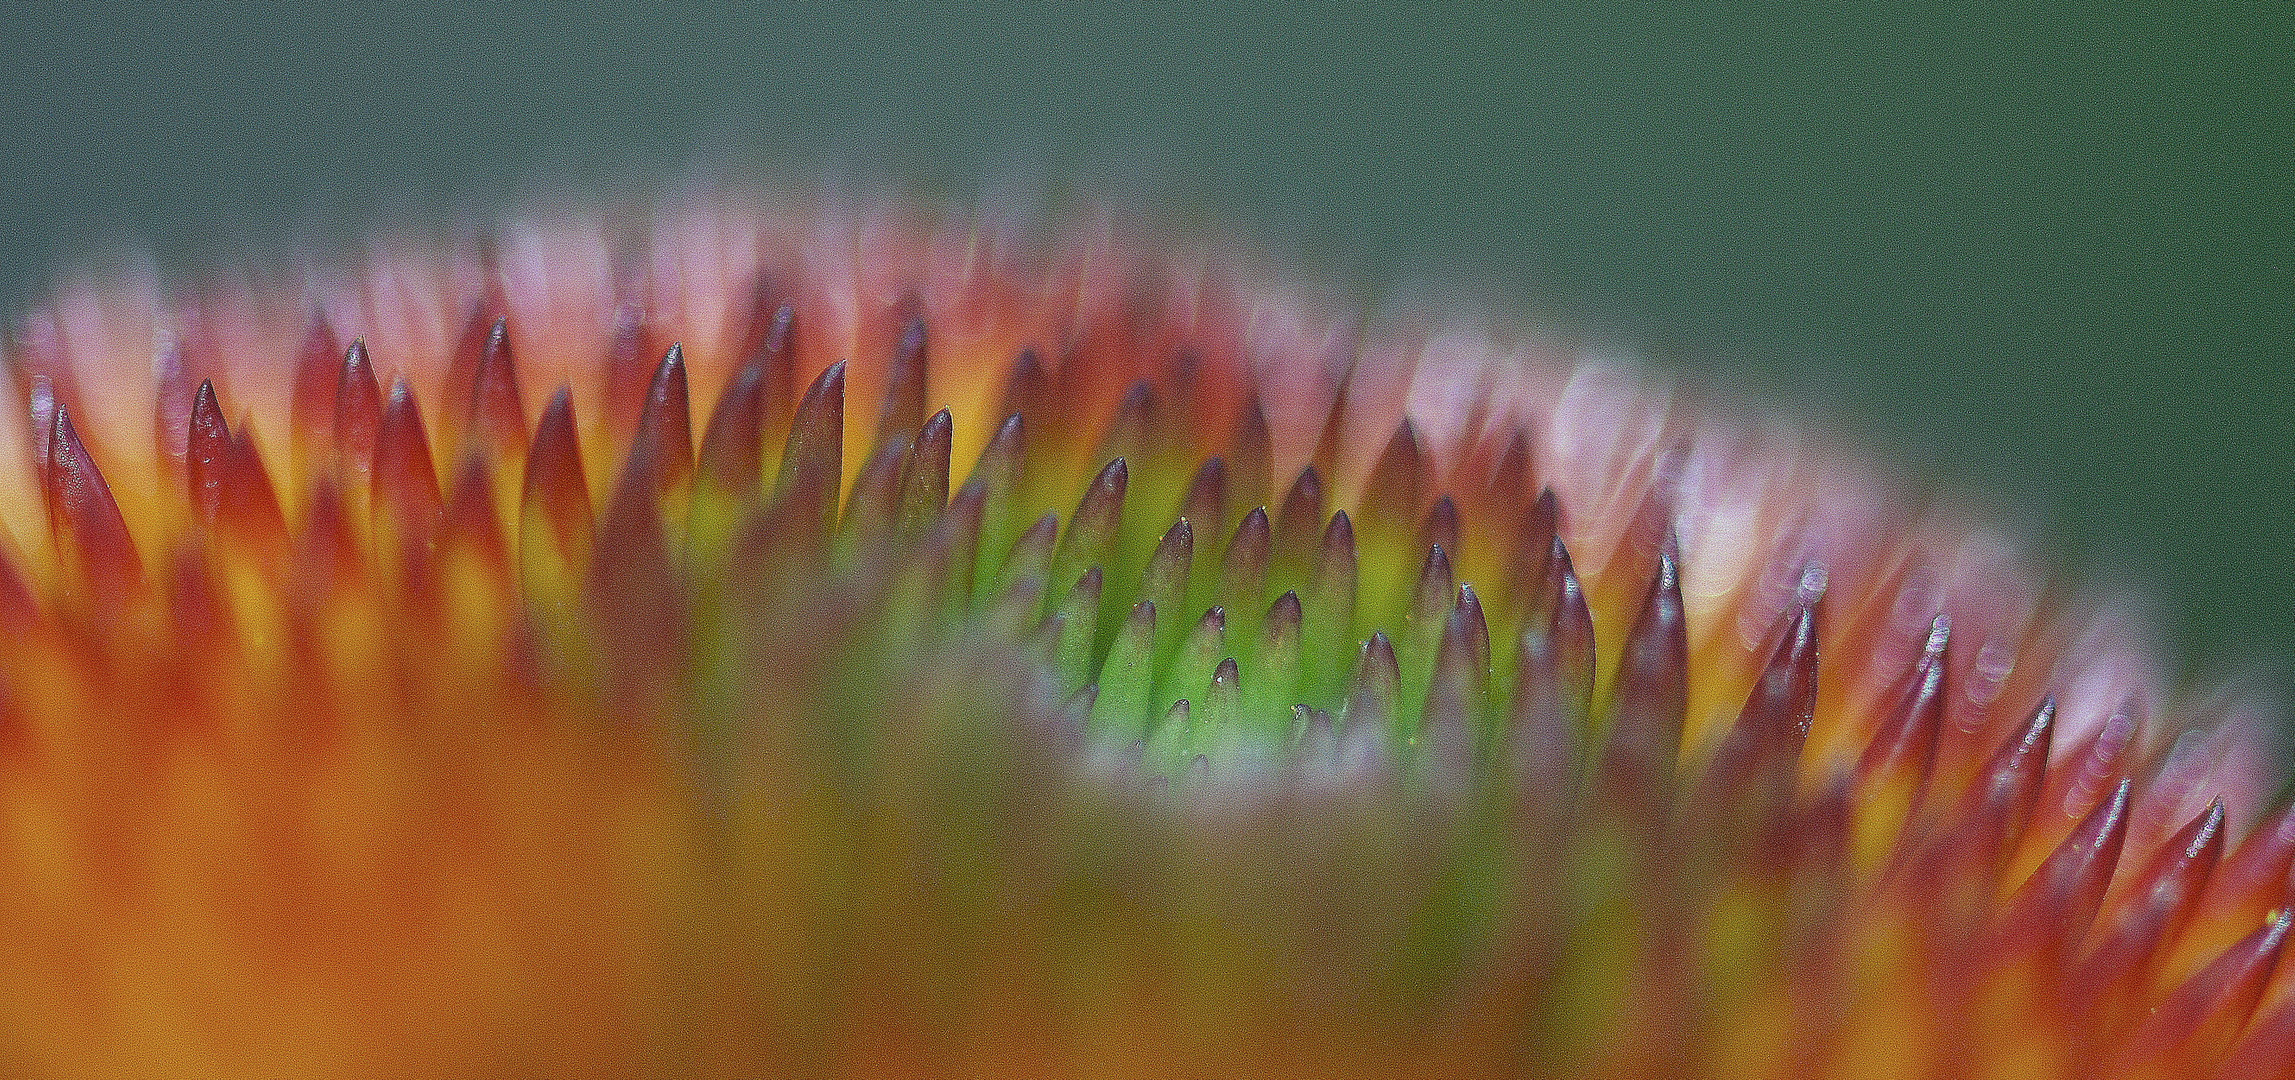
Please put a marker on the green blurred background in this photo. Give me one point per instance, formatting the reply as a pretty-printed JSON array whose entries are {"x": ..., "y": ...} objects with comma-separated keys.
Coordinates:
[{"x": 2050, "y": 257}]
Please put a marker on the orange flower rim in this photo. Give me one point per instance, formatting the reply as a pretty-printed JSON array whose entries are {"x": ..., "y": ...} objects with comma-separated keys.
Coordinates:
[{"x": 752, "y": 637}]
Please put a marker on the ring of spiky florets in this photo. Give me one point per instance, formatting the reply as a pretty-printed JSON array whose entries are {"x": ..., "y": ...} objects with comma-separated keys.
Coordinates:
[{"x": 1151, "y": 671}]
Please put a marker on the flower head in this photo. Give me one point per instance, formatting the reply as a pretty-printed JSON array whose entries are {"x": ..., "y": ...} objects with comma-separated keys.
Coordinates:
[{"x": 749, "y": 638}]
